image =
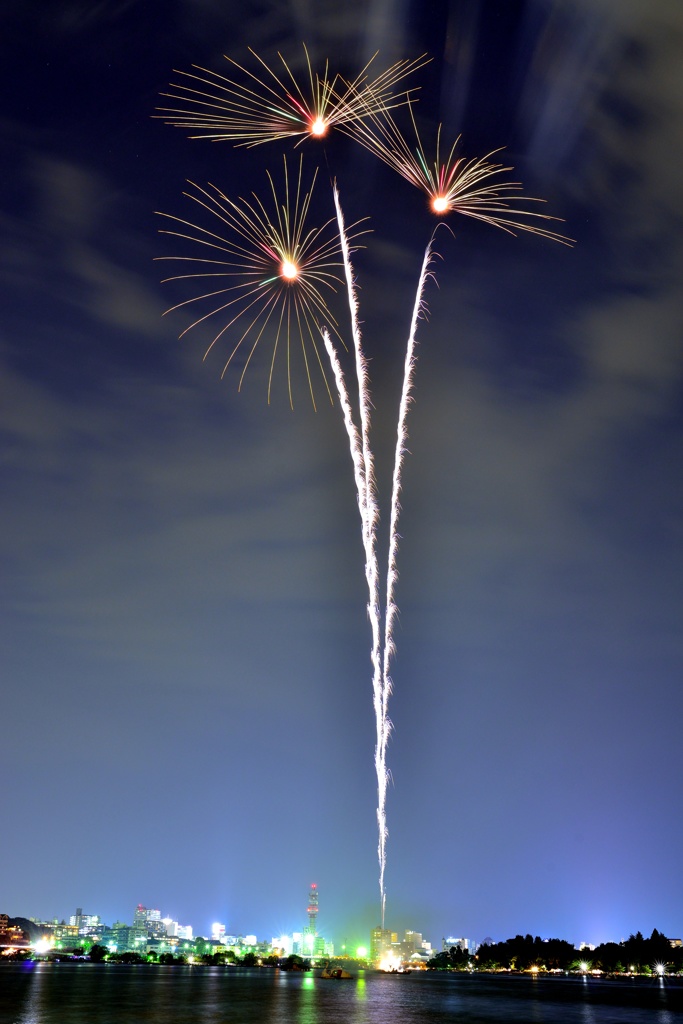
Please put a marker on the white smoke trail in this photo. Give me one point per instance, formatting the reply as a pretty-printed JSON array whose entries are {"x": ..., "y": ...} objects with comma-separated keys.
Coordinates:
[
  {"x": 401, "y": 438},
  {"x": 367, "y": 500},
  {"x": 351, "y": 429},
  {"x": 364, "y": 475}
]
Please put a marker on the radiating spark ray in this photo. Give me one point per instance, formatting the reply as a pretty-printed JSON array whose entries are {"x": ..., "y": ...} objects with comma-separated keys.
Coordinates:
[
  {"x": 277, "y": 107},
  {"x": 455, "y": 184}
]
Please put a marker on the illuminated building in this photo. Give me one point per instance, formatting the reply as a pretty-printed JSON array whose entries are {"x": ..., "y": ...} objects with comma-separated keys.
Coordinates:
[
  {"x": 380, "y": 940},
  {"x": 311, "y": 929},
  {"x": 313, "y": 909},
  {"x": 148, "y": 922},
  {"x": 121, "y": 938},
  {"x": 65, "y": 931},
  {"x": 86, "y": 924},
  {"x": 466, "y": 945},
  {"x": 311, "y": 943},
  {"x": 177, "y": 931}
]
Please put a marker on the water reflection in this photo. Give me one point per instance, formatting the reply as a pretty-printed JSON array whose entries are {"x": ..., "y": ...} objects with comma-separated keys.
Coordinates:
[
  {"x": 307, "y": 1008},
  {"x": 30, "y": 992},
  {"x": 87, "y": 994}
]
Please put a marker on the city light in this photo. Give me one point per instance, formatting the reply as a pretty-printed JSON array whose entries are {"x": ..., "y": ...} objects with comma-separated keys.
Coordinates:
[
  {"x": 147, "y": 940},
  {"x": 389, "y": 963}
]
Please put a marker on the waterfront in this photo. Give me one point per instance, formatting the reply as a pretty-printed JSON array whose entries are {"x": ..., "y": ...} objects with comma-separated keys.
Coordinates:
[{"x": 42, "y": 993}]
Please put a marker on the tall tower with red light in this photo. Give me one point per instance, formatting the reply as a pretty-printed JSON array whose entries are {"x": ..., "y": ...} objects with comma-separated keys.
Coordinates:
[{"x": 312, "y": 910}]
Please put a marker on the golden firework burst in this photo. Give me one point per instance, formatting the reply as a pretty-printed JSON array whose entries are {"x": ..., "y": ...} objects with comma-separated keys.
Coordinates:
[
  {"x": 470, "y": 187},
  {"x": 262, "y": 268},
  {"x": 271, "y": 105}
]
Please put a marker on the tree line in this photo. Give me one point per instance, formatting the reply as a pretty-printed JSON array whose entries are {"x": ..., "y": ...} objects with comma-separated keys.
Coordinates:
[
  {"x": 98, "y": 954},
  {"x": 635, "y": 955}
]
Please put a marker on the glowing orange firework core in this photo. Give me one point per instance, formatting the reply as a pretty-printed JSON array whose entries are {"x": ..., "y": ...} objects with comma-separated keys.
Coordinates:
[
  {"x": 318, "y": 126},
  {"x": 440, "y": 204},
  {"x": 289, "y": 270}
]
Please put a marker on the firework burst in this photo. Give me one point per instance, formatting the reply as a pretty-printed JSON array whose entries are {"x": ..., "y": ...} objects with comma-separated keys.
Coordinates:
[
  {"x": 272, "y": 269},
  {"x": 454, "y": 184},
  {"x": 274, "y": 105},
  {"x": 261, "y": 269}
]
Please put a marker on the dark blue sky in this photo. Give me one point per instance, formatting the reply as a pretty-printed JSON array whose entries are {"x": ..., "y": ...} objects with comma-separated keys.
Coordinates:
[{"x": 187, "y": 716}]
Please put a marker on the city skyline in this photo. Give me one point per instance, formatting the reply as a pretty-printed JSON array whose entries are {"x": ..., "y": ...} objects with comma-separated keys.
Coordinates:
[
  {"x": 148, "y": 925},
  {"x": 152, "y": 920},
  {"x": 187, "y": 691},
  {"x": 157, "y": 925}
]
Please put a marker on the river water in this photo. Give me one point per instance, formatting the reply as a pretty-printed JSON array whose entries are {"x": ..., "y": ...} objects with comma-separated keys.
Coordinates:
[{"x": 86, "y": 993}]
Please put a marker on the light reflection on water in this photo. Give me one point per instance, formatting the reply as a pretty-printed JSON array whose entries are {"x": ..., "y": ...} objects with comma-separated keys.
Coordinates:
[
  {"x": 116, "y": 994},
  {"x": 307, "y": 1005}
]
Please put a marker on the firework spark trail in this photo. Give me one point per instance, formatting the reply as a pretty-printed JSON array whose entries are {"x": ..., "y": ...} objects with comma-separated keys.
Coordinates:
[
  {"x": 391, "y": 610},
  {"x": 356, "y": 446},
  {"x": 367, "y": 500},
  {"x": 351, "y": 428}
]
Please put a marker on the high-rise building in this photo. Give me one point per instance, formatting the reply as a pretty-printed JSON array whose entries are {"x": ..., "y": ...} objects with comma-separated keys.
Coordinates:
[
  {"x": 85, "y": 924},
  {"x": 312, "y": 910},
  {"x": 380, "y": 940},
  {"x": 466, "y": 945},
  {"x": 148, "y": 922},
  {"x": 313, "y": 944},
  {"x": 311, "y": 929}
]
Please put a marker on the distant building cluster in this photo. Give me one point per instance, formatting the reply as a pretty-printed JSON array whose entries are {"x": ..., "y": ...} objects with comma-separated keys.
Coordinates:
[
  {"x": 149, "y": 932},
  {"x": 466, "y": 945},
  {"x": 152, "y": 935},
  {"x": 411, "y": 948}
]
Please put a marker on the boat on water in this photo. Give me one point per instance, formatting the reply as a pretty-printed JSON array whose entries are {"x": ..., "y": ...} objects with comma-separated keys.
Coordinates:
[{"x": 335, "y": 972}]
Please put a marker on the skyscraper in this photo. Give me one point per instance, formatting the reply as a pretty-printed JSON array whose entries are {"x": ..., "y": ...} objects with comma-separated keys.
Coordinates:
[
  {"x": 312, "y": 909},
  {"x": 380, "y": 941},
  {"x": 311, "y": 929}
]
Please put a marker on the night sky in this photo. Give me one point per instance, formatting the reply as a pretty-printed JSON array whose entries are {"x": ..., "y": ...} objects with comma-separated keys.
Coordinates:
[{"x": 186, "y": 686}]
